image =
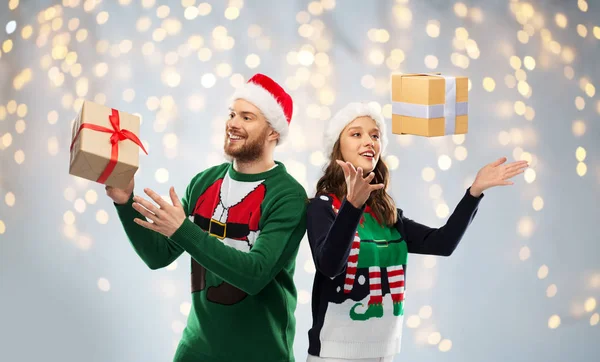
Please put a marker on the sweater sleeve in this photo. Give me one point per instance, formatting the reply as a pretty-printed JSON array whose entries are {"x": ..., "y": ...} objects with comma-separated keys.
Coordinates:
[
  {"x": 422, "y": 239},
  {"x": 156, "y": 250},
  {"x": 275, "y": 246},
  {"x": 330, "y": 235}
]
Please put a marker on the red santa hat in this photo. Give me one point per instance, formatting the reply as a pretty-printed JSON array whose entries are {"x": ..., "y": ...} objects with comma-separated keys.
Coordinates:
[
  {"x": 348, "y": 114},
  {"x": 272, "y": 100}
]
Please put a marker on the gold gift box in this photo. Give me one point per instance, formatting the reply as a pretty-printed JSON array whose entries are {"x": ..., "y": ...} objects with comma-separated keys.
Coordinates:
[{"x": 419, "y": 101}]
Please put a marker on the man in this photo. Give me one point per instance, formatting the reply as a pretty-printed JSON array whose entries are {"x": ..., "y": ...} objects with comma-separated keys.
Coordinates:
[{"x": 242, "y": 223}]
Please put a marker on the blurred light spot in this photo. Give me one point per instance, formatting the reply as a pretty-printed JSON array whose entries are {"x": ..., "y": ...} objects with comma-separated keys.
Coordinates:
[
  {"x": 172, "y": 266},
  {"x": 425, "y": 312},
  {"x": 103, "y": 284},
  {"x": 431, "y": 61},
  {"x": 442, "y": 211},
  {"x": 232, "y": 13},
  {"x": 580, "y": 154},
  {"x": 569, "y": 72},
  {"x": 435, "y": 191},
  {"x": 529, "y": 113},
  {"x": 20, "y": 126},
  {"x": 6, "y": 140},
  {"x": 196, "y": 103},
  {"x": 520, "y": 108},
  {"x": 525, "y": 226},
  {"x": 102, "y": 17},
  {"x": 11, "y": 26},
  {"x": 161, "y": 175},
  {"x": 223, "y": 70},
  {"x": 538, "y": 203},
  {"x": 529, "y": 175},
  {"x": 434, "y": 338},
  {"x": 445, "y": 345},
  {"x": 376, "y": 56},
  {"x": 581, "y": 169},
  {"x": 590, "y": 304},
  {"x": 170, "y": 140},
  {"x": 128, "y": 95},
  {"x": 444, "y": 162},
  {"x": 79, "y": 205},
  {"x": 9, "y": 199},
  {"x": 315, "y": 8},
  {"x": 428, "y": 174},
  {"x": 392, "y": 162},
  {"x": 594, "y": 319},
  {"x": 26, "y": 32},
  {"x": 524, "y": 253},
  {"x": 433, "y": 28},
  {"x": 69, "y": 194},
  {"x": 309, "y": 266},
  {"x": 303, "y": 296},
  {"x": 561, "y": 20},
  {"x": 489, "y": 84},
  {"x": 413, "y": 321},
  {"x": 102, "y": 217},
  {"x": 551, "y": 290},
  {"x": 204, "y": 9},
  {"x": 7, "y": 46},
  {"x": 579, "y": 103},
  {"x": 554, "y": 322},
  {"x": 208, "y": 80},
  {"x": 461, "y": 10},
  {"x": 543, "y": 272},
  {"x": 460, "y": 153},
  {"x": 590, "y": 90},
  {"x": 515, "y": 62},
  {"x": 458, "y": 139},
  {"x": 252, "y": 61},
  {"x": 185, "y": 308},
  {"x": 19, "y": 157}
]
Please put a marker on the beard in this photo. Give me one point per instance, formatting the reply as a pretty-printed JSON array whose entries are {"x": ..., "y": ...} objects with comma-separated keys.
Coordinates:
[{"x": 250, "y": 150}]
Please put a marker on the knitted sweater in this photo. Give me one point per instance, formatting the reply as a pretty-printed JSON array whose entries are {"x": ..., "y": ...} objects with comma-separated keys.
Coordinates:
[
  {"x": 243, "y": 233},
  {"x": 359, "y": 286}
]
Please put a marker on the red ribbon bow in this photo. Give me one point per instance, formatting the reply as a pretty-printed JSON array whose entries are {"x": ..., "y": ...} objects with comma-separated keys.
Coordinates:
[{"x": 117, "y": 136}]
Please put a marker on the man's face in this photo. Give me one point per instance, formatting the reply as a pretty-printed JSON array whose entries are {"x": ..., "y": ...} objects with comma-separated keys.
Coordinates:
[{"x": 247, "y": 132}]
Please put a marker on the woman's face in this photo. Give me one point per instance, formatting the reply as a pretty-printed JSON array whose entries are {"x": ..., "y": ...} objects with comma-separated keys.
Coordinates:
[{"x": 360, "y": 143}]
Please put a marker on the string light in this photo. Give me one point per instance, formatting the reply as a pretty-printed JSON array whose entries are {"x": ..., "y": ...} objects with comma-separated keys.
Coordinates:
[{"x": 310, "y": 68}]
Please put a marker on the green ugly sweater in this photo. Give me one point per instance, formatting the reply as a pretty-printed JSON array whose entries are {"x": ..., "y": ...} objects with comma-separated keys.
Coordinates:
[{"x": 243, "y": 233}]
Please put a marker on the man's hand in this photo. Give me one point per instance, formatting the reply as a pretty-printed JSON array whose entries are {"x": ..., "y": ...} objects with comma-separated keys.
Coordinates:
[{"x": 164, "y": 217}]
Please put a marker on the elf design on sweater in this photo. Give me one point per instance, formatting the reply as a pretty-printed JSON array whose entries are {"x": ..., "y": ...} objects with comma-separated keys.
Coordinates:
[
  {"x": 376, "y": 249},
  {"x": 359, "y": 287}
]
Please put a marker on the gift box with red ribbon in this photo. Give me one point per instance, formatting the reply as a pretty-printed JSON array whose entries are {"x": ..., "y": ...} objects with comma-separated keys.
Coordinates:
[{"x": 105, "y": 145}]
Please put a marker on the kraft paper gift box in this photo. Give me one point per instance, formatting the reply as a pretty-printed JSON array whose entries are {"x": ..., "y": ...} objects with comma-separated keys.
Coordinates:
[
  {"x": 105, "y": 145},
  {"x": 429, "y": 104}
]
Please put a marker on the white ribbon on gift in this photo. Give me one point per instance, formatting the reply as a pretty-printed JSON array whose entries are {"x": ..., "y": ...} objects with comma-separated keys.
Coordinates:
[{"x": 449, "y": 110}]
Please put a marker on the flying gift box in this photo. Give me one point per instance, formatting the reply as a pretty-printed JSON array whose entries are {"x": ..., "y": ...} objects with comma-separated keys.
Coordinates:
[
  {"x": 429, "y": 104},
  {"x": 105, "y": 145}
]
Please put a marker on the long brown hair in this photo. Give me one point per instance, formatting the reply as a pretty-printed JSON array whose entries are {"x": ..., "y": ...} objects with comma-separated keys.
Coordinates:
[{"x": 333, "y": 182}]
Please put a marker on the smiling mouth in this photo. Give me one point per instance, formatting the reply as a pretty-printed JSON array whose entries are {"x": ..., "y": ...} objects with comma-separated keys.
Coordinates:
[
  {"x": 234, "y": 138},
  {"x": 368, "y": 155}
]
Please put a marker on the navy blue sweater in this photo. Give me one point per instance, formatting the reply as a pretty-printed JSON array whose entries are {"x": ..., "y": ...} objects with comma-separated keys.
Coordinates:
[{"x": 358, "y": 260}]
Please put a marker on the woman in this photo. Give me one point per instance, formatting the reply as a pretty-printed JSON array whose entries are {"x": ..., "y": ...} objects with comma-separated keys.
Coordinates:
[{"x": 360, "y": 241}]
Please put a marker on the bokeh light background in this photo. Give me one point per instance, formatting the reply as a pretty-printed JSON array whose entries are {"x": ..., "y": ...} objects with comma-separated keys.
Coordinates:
[{"x": 522, "y": 286}]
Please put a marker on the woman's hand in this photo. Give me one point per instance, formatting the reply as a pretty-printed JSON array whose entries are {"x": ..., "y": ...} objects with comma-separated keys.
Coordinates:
[
  {"x": 359, "y": 188},
  {"x": 497, "y": 174}
]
